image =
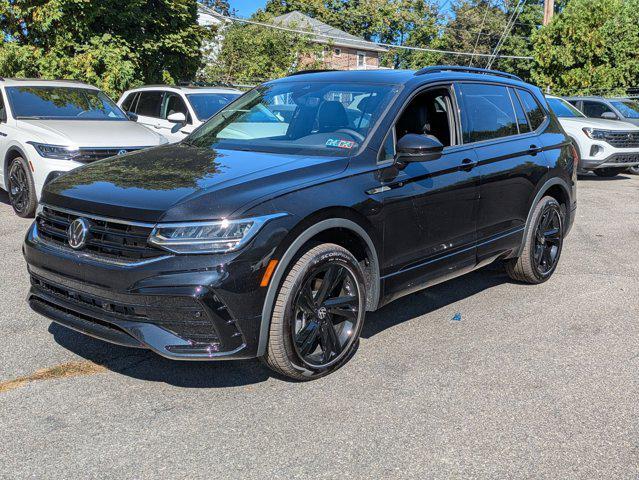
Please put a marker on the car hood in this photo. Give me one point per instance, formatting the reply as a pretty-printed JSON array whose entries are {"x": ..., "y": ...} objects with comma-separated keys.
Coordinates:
[
  {"x": 601, "y": 123},
  {"x": 91, "y": 133},
  {"x": 180, "y": 182}
]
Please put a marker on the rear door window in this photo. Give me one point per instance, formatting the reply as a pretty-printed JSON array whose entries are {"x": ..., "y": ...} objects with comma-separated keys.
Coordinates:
[
  {"x": 536, "y": 113},
  {"x": 149, "y": 104},
  {"x": 487, "y": 112},
  {"x": 522, "y": 119}
]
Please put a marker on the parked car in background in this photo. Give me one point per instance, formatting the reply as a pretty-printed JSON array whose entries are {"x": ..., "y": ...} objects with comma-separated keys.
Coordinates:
[
  {"x": 606, "y": 147},
  {"x": 608, "y": 108},
  {"x": 50, "y": 127},
  {"x": 241, "y": 242},
  {"x": 175, "y": 112}
]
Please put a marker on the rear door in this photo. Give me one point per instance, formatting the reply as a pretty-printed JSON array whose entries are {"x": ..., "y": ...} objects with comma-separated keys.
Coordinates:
[
  {"x": 510, "y": 162},
  {"x": 148, "y": 108}
]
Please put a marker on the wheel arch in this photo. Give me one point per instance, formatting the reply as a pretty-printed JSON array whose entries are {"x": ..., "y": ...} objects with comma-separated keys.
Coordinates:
[
  {"x": 554, "y": 187},
  {"x": 12, "y": 152},
  {"x": 317, "y": 227}
]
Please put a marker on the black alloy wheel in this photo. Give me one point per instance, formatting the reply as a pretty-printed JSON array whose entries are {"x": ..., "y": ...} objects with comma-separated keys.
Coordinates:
[
  {"x": 325, "y": 314},
  {"x": 21, "y": 188},
  {"x": 634, "y": 170},
  {"x": 548, "y": 240},
  {"x": 543, "y": 242},
  {"x": 318, "y": 314}
]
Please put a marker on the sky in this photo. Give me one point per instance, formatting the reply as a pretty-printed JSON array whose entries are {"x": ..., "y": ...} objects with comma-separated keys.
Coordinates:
[{"x": 246, "y": 8}]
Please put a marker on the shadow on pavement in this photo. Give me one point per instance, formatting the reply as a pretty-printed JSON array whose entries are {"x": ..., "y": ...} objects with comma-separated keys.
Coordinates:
[
  {"x": 592, "y": 176},
  {"x": 4, "y": 197},
  {"x": 146, "y": 365}
]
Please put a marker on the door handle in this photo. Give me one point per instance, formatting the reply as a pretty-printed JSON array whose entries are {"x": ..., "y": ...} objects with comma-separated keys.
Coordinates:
[
  {"x": 534, "y": 150},
  {"x": 468, "y": 164}
]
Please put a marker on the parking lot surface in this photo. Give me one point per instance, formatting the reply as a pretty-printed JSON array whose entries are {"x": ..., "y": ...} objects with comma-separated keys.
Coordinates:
[{"x": 477, "y": 377}]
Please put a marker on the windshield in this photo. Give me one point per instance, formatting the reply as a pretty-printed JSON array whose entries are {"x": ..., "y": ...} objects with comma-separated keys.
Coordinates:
[
  {"x": 628, "y": 108},
  {"x": 331, "y": 119},
  {"x": 62, "y": 103},
  {"x": 563, "y": 109},
  {"x": 208, "y": 104}
]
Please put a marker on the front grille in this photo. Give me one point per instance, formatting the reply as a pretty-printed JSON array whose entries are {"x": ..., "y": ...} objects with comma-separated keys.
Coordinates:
[
  {"x": 109, "y": 240},
  {"x": 88, "y": 155},
  {"x": 622, "y": 139},
  {"x": 623, "y": 158}
]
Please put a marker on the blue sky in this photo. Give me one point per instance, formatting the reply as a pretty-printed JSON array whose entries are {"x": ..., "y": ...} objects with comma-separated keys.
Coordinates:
[{"x": 245, "y": 8}]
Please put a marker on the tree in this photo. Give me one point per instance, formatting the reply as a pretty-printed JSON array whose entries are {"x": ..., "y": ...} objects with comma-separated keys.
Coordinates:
[
  {"x": 590, "y": 47},
  {"x": 252, "y": 54},
  {"x": 112, "y": 44}
]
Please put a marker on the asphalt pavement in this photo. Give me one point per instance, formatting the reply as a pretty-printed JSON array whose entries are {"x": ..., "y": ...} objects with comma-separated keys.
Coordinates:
[{"x": 478, "y": 377}]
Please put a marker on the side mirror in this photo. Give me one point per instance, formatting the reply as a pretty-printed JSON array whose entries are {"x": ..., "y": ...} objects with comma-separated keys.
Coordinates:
[
  {"x": 177, "y": 117},
  {"x": 132, "y": 116},
  {"x": 418, "y": 148},
  {"x": 609, "y": 116}
]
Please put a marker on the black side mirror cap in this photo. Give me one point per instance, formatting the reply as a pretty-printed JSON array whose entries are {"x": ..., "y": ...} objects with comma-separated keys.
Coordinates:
[
  {"x": 418, "y": 148},
  {"x": 132, "y": 116}
]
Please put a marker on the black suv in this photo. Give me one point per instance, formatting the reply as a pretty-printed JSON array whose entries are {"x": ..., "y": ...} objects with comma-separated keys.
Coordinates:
[{"x": 274, "y": 227}]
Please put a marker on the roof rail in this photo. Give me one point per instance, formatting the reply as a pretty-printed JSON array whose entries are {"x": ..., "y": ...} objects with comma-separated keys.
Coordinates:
[
  {"x": 319, "y": 70},
  {"x": 458, "y": 68}
]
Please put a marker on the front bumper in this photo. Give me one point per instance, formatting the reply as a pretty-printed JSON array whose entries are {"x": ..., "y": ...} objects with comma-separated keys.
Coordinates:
[
  {"x": 616, "y": 160},
  {"x": 198, "y": 307}
]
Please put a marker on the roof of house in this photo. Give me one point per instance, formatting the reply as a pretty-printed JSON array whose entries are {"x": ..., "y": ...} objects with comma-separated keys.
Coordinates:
[{"x": 322, "y": 32}]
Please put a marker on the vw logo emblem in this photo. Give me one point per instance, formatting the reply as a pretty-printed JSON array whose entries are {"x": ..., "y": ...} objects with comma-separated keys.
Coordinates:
[
  {"x": 321, "y": 313},
  {"x": 121, "y": 152},
  {"x": 78, "y": 233}
]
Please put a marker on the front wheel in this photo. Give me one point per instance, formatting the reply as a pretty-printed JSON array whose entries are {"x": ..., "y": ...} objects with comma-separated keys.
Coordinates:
[
  {"x": 21, "y": 189},
  {"x": 634, "y": 170},
  {"x": 318, "y": 314},
  {"x": 542, "y": 244},
  {"x": 608, "y": 172}
]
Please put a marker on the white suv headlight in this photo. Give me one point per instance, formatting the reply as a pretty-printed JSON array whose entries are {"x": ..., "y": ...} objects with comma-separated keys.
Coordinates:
[
  {"x": 208, "y": 237},
  {"x": 59, "y": 152},
  {"x": 595, "y": 134}
]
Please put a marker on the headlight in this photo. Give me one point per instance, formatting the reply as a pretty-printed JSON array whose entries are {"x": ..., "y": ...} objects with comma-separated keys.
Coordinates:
[
  {"x": 208, "y": 237},
  {"x": 595, "y": 134},
  {"x": 59, "y": 152}
]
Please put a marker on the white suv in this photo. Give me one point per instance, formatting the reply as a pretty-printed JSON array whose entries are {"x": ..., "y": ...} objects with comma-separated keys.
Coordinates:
[
  {"x": 605, "y": 147},
  {"x": 48, "y": 127},
  {"x": 175, "y": 112}
]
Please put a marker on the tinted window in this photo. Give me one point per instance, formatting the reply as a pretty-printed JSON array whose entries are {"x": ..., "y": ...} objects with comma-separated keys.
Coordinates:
[
  {"x": 208, "y": 104},
  {"x": 328, "y": 118},
  {"x": 522, "y": 120},
  {"x": 3, "y": 110},
  {"x": 563, "y": 109},
  {"x": 534, "y": 110},
  {"x": 173, "y": 103},
  {"x": 128, "y": 102},
  {"x": 149, "y": 104},
  {"x": 57, "y": 103},
  {"x": 487, "y": 112},
  {"x": 595, "y": 109}
]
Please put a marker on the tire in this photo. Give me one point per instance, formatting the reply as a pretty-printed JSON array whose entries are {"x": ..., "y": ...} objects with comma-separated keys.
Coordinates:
[
  {"x": 634, "y": 170},
  {"x": 608, "y": 172},
  {"x": 530, "y": 266},
  {"x": 304, "y": 317},
  {"x": 21, "y": 189}
]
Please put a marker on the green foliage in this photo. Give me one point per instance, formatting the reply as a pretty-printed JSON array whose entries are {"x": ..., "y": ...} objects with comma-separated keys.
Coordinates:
[
  {"x": 109, "y": 43},
  {"x": 590, "y": 47},
  {"x": 252, "y": 54}
]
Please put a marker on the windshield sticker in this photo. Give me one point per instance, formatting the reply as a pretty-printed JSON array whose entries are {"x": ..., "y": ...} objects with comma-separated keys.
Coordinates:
[{"x": 338, "y": 143}]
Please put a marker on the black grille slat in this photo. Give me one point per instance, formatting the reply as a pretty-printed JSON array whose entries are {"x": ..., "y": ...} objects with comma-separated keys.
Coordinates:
[
  {"x": 88, "y": 155},
  {"x": 110, "y": 240},
  {"x": 622, "y": 139}
]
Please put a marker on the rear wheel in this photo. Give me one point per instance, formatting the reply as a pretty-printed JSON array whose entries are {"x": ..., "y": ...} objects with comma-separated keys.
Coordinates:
[
  {"x": 318, "y": 314},
  {"x": 608, "y": 172},
  {"x": 21, "y": 188},
  {"x": 542, "y": 247}
]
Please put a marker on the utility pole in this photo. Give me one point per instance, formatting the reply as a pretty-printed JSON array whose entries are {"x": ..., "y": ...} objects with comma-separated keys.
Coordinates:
[{"x": 549, "y": 10}]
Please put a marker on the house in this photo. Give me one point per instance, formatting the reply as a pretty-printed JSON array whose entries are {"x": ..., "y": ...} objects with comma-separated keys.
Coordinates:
[{"x": 342, "y": 51}]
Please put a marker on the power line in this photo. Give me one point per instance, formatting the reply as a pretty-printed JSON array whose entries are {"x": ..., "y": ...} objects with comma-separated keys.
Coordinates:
[
  {"x": 509, "y": 27},
  {"x": 366, "y": 42}
]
